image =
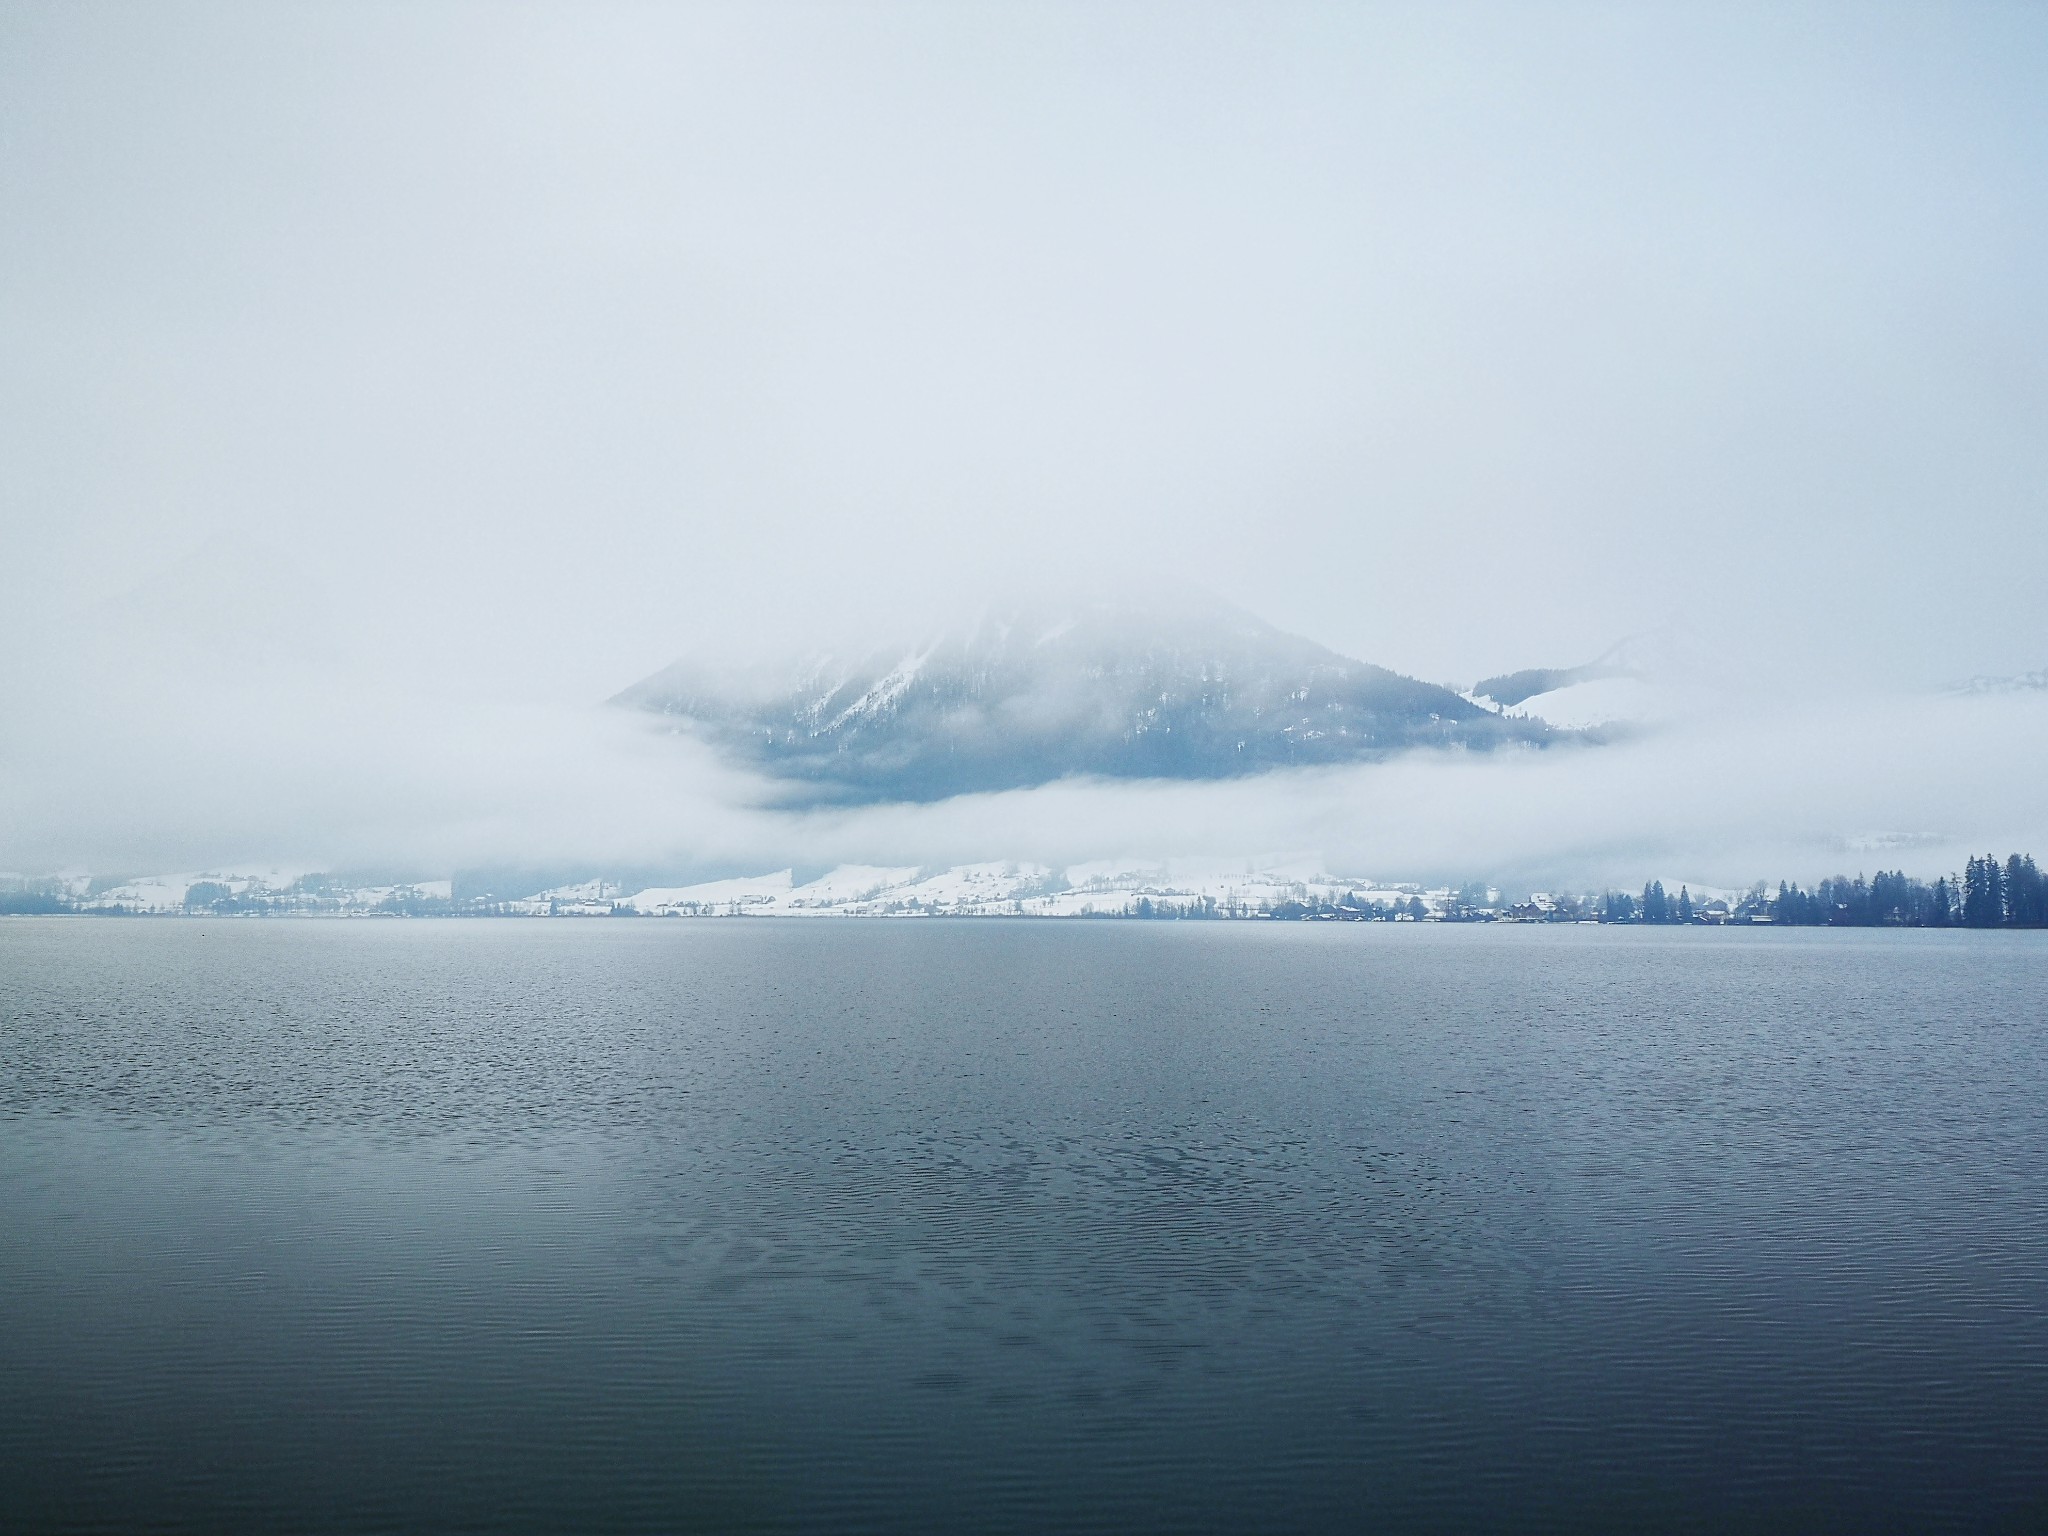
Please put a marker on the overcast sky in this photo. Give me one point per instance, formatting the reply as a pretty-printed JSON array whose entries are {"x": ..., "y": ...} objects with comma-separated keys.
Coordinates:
[{"x": 534, "y": 345}]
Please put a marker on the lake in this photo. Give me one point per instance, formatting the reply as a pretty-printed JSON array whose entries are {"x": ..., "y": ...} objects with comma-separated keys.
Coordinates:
[{"x": 986, "y": 1225}]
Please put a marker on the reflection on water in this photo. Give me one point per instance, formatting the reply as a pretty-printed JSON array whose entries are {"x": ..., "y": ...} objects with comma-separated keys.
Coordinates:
[{"x": 1020, "y": 1226}]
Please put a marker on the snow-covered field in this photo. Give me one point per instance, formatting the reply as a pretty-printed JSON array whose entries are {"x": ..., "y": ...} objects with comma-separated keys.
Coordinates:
[
  {"x": 998, "y": 889},
  {"x": 1097, "y": 889},
  {"x": 1600, "y": 701}
]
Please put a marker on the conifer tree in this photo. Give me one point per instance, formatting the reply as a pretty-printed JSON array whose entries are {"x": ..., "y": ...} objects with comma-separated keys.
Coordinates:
[
  {"x": 1983, "y": 893},
  {"x": 2023, "y": 894}
]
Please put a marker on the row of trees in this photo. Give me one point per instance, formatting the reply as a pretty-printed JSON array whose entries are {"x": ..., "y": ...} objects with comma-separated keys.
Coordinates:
[
  {"x": 1654, "y": 906},
  {"x": 1988, "y": 894}
]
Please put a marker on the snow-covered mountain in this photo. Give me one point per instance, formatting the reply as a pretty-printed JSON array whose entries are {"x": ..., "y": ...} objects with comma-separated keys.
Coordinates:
[{"x": 1025, "y": 695}]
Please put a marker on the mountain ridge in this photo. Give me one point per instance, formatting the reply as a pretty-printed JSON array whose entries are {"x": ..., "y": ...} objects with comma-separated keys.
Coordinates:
[{"x": 1031, "y": 693}]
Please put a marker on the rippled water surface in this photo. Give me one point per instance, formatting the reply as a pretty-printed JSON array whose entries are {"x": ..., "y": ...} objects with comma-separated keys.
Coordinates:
[{"x": 1033, "y": 1226}]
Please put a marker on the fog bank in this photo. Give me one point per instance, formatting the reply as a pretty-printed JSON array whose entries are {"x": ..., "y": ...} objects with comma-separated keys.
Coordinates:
[{"x": 380, "y": 387}]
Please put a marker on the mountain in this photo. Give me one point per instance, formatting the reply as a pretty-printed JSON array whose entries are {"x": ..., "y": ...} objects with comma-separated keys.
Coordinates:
[
  {"x": 1619, "y": 690},
  {"x": 1639, "y": 657},
  {"x": 2025, "y": 682},
  {"x": 1026, "y": 695}
]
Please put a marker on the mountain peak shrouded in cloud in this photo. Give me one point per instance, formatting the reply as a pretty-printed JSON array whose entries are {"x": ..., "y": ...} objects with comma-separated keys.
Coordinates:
[
  {"x": 1026, "y": 693},
  {"x": 1634, "y": 683},
  {"x": 2024, "y": 682},
  {"x": 387, "y": 388}
]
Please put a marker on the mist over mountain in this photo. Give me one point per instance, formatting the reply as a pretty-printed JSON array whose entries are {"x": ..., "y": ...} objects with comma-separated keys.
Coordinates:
[
  {"x": 1026, "y": 694},
  {"x": 374, "y": 423},
  {"x": 1626, "y": 687}
]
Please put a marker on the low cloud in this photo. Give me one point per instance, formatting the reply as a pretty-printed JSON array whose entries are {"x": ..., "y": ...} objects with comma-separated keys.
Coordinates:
[{"x": 136, "y": 755}]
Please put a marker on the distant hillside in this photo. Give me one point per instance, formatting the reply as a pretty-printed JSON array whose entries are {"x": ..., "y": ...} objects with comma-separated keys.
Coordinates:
[
  {"x": 1639, "y": 656},
  {"x": 2025, "y": 682},
  {"x": 1030, "y": 695},
  {"x": 1514, "y": 688}
]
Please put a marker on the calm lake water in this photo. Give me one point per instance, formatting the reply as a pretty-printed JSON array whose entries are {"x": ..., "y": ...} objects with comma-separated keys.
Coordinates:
[{"x": 1020, "y": 1226}]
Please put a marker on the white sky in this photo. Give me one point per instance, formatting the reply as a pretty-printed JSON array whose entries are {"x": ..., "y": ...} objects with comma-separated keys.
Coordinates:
[{"x": 523, "y": 348}]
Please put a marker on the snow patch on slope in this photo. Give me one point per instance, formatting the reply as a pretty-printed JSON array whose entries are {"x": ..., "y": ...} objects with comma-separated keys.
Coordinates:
[
  {"x": 1098, "y": 888},
  {"x": 726, "y": 896},
  {"x": 1602, "y": 701}
]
